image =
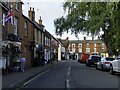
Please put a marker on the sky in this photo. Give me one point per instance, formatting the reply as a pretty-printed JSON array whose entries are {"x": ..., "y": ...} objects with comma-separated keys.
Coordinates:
[{"x": 49, "y": 11}]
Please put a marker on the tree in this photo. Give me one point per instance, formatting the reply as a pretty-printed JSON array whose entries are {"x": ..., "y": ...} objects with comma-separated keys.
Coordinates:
[{"x": 92, "y": 18}]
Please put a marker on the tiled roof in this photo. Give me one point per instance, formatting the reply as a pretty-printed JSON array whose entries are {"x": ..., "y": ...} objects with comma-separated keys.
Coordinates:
[{"x": 85, "y": 41}]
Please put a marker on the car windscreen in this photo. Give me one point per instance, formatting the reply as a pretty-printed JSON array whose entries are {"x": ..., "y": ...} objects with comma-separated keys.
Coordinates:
[{"x": 110, "y": 59}]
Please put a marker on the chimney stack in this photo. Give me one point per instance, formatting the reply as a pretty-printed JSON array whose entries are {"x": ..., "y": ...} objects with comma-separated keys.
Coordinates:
[
  {"x": 31, "y": 14},
  {"x": 40, "y": 21}
]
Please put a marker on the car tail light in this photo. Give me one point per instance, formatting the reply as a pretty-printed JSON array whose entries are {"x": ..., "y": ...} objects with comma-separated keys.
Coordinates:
[{"x": 107, "y": 62}]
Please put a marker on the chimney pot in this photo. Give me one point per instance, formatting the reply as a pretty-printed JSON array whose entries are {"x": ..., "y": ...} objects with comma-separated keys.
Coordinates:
[
  {"x": 31, "y": 14},
  {"x": 40, "y": 21}
]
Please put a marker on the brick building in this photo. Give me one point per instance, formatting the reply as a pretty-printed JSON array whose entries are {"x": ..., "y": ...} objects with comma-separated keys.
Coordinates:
[
  {"x": 26, "y": 37},
  {"x": 47, "y": 49},
  {"x": 54, "y": 48},
  {"x": 65, "y": 43},
  {"x": 27, "y": 31},
  {"x": 76, "y": 47},
  {"x": 11, "y": 33}
]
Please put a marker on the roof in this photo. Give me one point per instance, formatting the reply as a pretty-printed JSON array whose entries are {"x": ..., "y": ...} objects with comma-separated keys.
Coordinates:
[
  {"x": 85, "y": 41},
  {"x": 47, "y": 34},
  {"x": 40, "y": 27},
  {"x": 27, "y": 19}
]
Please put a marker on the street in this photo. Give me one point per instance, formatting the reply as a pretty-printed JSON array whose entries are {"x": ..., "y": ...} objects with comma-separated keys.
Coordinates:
[{"x": 72, "y": 74}]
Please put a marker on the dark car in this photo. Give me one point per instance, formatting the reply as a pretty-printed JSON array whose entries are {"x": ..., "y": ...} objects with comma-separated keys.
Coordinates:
[{"x": 93, "y": 59}]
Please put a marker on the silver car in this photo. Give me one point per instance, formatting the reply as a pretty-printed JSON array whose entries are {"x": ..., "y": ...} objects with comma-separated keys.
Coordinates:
[
  {"x": 115, "y": 66},
  {"x": 104, "y": 64}
]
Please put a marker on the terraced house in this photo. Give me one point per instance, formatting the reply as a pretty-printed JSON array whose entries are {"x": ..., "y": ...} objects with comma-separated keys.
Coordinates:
[
  {"x": 77, "y": 47},
  {"x": 23, "y": 36},
  {"x": 11, "y": 32}
]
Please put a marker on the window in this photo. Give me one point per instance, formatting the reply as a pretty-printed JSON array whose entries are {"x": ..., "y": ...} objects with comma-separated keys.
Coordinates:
[
  {"x": 102, "y": 49},
  {"x": 26, "y": 28},
  {"x": 80, "y": 45},
  {"x": 49, "y": 42},
  {"x": 94, "y": 44},
  {"x": 15, "y": 25},
  {"x": 37, "y": 33},
  {"x": 88, "y": 44},
  {"x": 80, "y": 50},
  {"x": 17, "y": 6},
  {"x": 45, "y": 54},
  {"x": 94, "y": 49},
  {"x": 73, "y": 45},
  {"x": 87, "y": 50},
  {"x": 73, "y": 49},
  {"x": 69, "y": 45},
  {"x": 102, "y": 44},
  {"x": 45, "y": 40},
  {"x": 3, "y": 22}
]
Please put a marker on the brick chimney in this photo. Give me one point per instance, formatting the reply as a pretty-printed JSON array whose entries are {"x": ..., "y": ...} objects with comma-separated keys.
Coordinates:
[
  {"x": 31, "y": 14},
  {"x": 40, "y": 21},
  {"x": 84, "y": 38}
]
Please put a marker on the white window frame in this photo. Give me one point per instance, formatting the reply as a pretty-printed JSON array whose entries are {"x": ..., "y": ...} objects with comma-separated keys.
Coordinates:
[
  {"x": 103, "y": 44},
  {"x": 103, "y": 49},
  {"x": 73, "y": 45},
  {"x": 15, "y": 25},
  {"x": 26, "y": 28},
  {"x": 88, "y": 44},
  {"x": 95, "y": 50},
  {"x": 3, "y": 18},
  {"x": 87, "y": 50},
  {"x": 80, "y": 50},
  {"x": 80, "y": 45},
  {"x": 73, "y": 49},
  {"x": 95, "y": 45}
]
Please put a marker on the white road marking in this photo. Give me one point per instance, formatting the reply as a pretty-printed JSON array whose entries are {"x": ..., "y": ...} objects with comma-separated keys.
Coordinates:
[
  {"x": 68, "y": 73},
  {"x": 34, "y": 78},
  {"x": 68, "y": 84},
  {"x": 68, "y": 77}
]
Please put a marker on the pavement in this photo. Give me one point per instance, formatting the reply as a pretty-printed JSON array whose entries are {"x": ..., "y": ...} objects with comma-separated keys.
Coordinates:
[{"x": 17, "y": 79}]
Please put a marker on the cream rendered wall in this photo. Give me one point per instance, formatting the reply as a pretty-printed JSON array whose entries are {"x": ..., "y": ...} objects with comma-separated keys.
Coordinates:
[{"x": 59, "y": 52}]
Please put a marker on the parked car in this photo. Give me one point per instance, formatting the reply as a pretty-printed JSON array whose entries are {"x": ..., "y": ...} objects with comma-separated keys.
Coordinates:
[
  {"x": 115, "y": 66},
  {"x": 104, "y": 63},
  {"x": 83, "y": 58},
  {"x": 93, "y": 59}
]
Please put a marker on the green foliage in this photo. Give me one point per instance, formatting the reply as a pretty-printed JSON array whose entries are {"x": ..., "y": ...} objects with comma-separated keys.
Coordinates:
[{"x": 91, "y": 18}]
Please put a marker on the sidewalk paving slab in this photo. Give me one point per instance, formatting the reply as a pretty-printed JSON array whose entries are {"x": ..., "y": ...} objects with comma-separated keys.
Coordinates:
[{"x": 16, "y": 79}]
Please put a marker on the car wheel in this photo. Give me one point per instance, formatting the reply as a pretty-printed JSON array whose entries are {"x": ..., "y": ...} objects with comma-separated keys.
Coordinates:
[{"x": 111, "y": 70}]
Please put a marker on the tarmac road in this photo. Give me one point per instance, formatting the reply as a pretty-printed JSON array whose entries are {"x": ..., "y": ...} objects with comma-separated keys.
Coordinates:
[{"x": 71, "y": 74}]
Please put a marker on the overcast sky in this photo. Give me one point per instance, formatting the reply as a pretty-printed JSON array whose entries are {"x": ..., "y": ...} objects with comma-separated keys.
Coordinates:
[{"x": 48, "y": 11}]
